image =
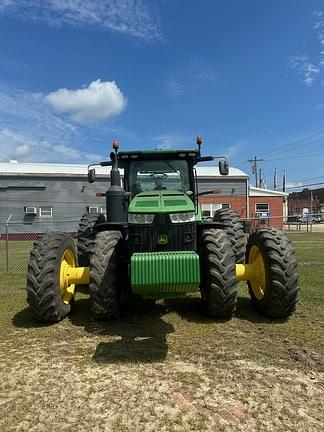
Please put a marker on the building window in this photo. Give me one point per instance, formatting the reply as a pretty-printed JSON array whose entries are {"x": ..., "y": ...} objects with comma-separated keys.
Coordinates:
[
  {"x": 208, "y": 210},
  {"x": 225, "y": 206},
  {"x": 45, "y": 211},
  {"x": 262, "y": 209},
  {"x": 92, "y": 209},
  {"x": 103, "y": 210}
]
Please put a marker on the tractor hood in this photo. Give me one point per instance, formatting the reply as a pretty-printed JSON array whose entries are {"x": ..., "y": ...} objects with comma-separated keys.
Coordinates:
[{"x": 164, "y": 201}]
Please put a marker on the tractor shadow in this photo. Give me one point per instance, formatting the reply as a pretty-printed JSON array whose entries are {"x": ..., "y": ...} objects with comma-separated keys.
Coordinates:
[
  {"x": 24, "y": 319},
  {"x": 246, "y": 312},
  {"x": 138, "y": 336},
  {"x": 192, "y": 310},
  {"x": 189, "y": 308}
]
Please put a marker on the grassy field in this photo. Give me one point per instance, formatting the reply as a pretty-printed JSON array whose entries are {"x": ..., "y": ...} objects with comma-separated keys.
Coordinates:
[{"x": 166, "y": 367}]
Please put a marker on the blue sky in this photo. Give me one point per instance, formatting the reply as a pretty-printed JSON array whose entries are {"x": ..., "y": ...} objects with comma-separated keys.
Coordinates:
[{"x": 246, "y": 75}]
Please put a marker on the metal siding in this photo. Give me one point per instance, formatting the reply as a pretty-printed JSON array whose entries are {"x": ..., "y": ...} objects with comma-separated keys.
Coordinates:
[
  {"x": 227, "y": 187},
  {"x": 68, "y": 197}
]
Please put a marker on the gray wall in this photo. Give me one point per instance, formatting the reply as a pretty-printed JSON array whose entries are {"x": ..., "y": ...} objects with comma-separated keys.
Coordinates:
[
  {"x": 68, "y": 196},
  {"x": 228, "y": 186}
]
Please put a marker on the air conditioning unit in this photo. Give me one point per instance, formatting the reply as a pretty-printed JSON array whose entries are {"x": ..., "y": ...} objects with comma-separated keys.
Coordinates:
[
  {"x": 30, "y": 211},
  {"x": 91, "y": 209}
]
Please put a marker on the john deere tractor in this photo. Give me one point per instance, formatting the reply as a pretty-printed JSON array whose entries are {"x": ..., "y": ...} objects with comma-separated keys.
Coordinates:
[{"x": 153, "y": 242}]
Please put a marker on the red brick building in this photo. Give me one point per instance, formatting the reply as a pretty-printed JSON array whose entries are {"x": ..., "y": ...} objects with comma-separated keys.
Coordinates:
[
  {"x": 310, "y": 199},
  {"x": 260, "y": 206}
]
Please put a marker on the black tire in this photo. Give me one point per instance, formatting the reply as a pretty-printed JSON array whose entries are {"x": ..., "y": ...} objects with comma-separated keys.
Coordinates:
[
  {"x": 281, "y": 288},
  {"x": 86, "y": 235},
  {"x": 106, "y": 273},
  {"x": 234, "y": 228},
  {"x": 218, "y": 286},
  {"x": 43, "y": 277}
]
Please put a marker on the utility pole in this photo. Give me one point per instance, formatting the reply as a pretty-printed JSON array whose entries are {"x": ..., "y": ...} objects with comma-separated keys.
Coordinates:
[
  {"x": 284, "y": 182},
  {"x": 275, "y": 179},
  {"x": 254, "y": 166}
]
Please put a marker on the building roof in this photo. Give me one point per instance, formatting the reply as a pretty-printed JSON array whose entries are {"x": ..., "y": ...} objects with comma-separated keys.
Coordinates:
[
  {"x": 254, "y": 191},
  {"x": 72, "y": 170}
]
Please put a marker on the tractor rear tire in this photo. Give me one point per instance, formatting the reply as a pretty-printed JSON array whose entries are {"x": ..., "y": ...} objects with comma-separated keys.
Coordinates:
[
  {"x": 86, "y": 235},
  {"x": 277, "y": 294},
  {"x": 106, "y": 273},
  {"x": 234, "y": 228},
  {"x": 218, "y": 287},
  {"x": 45, "y": 297}
]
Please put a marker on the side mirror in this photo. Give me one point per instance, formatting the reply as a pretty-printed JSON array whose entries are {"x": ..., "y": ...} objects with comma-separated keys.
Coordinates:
[
  {"x": 223, "y": 167},
  {"x": 91, "y": 175}
]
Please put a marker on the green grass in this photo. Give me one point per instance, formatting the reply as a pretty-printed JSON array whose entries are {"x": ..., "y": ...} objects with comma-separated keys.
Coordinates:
[
  {"x": 309, "y": 247},
  {"x": 158, "y": 350},
  {"x": 305, "y": 328}
]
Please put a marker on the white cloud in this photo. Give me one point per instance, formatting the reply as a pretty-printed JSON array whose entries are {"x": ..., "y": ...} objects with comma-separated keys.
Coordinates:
[
  {"x": 311, "y": 70},
  {"x": 174, "y": 88},
  {"x": 30, "y": 132},
  {"x": 233, "y": 150},
  {"x": 190, "y": 75},
  {"x": 15, "y": 145},
  {"x": 171, "y": 140},
  {"x": 32, "y": 114},
  {"x": 308, "y": 71},
  {"x": 22, "y": 150},
  {"x": 292, "y": 185},
  {"x": 135, "y": 18},
  {"x": 100, "y": 100}
]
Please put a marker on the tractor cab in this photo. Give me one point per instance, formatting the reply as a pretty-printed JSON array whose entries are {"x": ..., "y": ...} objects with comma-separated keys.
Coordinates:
[{"x": 158, "y": 175}]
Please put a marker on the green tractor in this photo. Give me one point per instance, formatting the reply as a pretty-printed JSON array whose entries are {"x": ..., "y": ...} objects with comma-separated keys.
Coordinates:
[{"x": 155, "y": 243}]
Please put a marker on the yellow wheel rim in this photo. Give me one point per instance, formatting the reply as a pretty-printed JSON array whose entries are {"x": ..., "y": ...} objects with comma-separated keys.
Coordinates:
[
  {"x": 257, "y": 284},
  {"x": 66, "y": 289}
]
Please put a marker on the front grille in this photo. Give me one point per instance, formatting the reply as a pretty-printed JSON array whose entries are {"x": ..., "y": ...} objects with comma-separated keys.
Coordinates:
[{"x": 145, "y": 238}]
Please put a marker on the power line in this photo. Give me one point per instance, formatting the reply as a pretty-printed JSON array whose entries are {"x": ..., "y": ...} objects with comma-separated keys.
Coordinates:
[
  {"x": 296, "y": 144},
  {"x": 282, "y": 150},
  {"x": 310, "y": 178},
  {"x": 298, "y": 156},
  {"x": 295, "y": 157},
  {"x": 303, "y": 185}
]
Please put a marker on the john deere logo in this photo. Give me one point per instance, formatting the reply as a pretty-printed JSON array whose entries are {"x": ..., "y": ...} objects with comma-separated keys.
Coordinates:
[{"x": 162, "y": 239}]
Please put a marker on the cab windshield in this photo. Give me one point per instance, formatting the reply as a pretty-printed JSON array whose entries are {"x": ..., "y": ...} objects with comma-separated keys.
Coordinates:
[{"x": 145, "y": 176}]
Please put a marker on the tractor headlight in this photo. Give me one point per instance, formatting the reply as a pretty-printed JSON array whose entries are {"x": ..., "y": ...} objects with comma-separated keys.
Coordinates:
[
  {"x": 140, "y": 218},
  {"x": 182, "y": 217}
]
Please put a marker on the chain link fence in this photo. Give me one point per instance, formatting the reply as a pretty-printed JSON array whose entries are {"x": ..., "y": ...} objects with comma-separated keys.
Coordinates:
[{"x": 17, "y": 238}]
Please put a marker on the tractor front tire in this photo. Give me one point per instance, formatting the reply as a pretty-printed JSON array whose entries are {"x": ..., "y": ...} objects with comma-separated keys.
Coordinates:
[
  {"x": 106, "y": 274},
  {"x": 218, "y": 287},
  {"x": 49, "y": 300},
  {"x": 234, "y": 228},
  {"x": 276, "y": 291},
  {"x": 86, "y": 235}
]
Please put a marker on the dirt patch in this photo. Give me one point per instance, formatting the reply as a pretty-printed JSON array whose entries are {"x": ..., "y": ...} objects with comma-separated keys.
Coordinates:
[
  {"x": 63, "y": 386},
  {"x": 311, "y": 359}
]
